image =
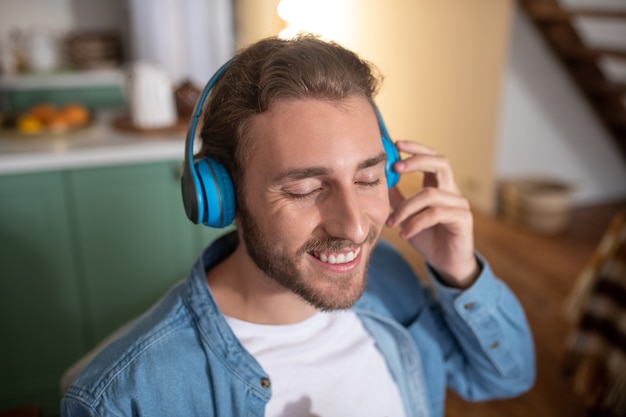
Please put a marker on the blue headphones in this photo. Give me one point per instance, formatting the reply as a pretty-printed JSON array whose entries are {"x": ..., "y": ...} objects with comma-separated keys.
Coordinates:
[{"x": 207, "y": 188}]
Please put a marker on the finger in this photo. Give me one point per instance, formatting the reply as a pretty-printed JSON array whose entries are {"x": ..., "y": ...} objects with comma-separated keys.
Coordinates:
[
  {"x": 456, "y": 220},
  {"x": 436, "y": 167},
  {"x": 411, "y": 147},
  {"x": 427, "y": 197}
]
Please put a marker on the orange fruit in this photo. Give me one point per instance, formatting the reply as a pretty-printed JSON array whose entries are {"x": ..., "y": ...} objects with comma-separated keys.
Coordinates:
[
  {"x": 75, "y": 114},
  {"x": 58, "y": 123},
  {"x": 44, "y": 112}
]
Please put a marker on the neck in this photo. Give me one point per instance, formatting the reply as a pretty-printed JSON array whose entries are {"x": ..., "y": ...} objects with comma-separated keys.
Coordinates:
[{"x": 246, "y": 293}]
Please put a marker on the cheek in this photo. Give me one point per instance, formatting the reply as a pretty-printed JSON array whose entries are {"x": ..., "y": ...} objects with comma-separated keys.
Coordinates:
[
  {"x": 298, "y": 224},
  {"x": 380, "y": 207},
  {"x": 289, "y": 227}
]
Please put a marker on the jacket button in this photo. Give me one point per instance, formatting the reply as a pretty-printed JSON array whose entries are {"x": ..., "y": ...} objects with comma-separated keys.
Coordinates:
[
  {"x": 494, "y": 345},
  {"x": 265, "y": 382},
  {"x": 469, "y": 306}
]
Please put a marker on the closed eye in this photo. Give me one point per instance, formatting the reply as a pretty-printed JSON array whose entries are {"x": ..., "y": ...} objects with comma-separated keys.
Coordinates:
[
  {"x": 304, "y": 196},
  {"x": 369, "y": 183}
]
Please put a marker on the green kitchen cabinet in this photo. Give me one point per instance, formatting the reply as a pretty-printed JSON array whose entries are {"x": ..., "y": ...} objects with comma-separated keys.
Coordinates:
[
  {"x": 83, "y": 251},
  {"x": 134, "y": 239},
  {"x": 41, "y": 321}
]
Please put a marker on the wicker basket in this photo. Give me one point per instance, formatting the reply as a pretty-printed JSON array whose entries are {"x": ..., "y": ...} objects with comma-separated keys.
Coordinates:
[
  {"x": 541, "y": 205},
  {"x": 93, "y": 50}
]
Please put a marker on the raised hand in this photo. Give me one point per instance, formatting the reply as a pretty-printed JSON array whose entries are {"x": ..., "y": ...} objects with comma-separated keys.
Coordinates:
[{"x": 437, "y": 220}]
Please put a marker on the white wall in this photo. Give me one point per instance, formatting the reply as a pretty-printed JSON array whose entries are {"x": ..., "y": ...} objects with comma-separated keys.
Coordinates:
[
  {"x": 60, "y": 15},
  {"x": 28, "y": 14},
  {"x": 547, "y": 128}
]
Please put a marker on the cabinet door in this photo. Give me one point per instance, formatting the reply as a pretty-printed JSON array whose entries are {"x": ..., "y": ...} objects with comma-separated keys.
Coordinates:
[
  {"x": 41, "y": 329},
  {"x": 135, "y": 241}
]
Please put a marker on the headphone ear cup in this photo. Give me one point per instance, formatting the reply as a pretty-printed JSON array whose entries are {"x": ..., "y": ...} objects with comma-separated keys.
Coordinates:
[
  {"x": 393, "y": 156},
  {"x": 219, "y": 193},
  {"x": 193, "y": 199}
]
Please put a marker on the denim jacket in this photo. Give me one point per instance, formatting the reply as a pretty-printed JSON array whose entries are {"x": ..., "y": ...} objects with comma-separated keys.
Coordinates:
[{"x": 182, "y": 359}]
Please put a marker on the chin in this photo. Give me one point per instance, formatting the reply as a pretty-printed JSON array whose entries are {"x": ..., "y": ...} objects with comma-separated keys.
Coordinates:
[{"x": 339, "y": 293}]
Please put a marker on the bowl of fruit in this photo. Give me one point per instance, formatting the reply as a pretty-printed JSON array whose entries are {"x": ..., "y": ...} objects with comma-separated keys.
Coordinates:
[{"x": 46, "y": 119}]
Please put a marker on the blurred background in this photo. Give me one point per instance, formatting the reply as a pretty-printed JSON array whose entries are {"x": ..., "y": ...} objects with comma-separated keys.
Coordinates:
[{"x": 527, "y": 99}]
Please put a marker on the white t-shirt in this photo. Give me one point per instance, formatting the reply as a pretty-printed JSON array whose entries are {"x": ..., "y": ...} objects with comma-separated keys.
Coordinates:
[{"x": 325, "y": 366}]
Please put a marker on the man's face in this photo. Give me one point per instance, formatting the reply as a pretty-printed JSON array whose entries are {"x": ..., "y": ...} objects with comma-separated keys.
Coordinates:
[{"x": 315, "y": 197}]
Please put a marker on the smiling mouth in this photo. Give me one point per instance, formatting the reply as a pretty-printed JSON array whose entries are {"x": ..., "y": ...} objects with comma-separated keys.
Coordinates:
[{"x": 337, "y": 258}]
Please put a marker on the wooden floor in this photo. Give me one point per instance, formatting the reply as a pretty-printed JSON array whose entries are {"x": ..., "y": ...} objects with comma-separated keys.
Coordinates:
[{"x": 541, "y": 270}]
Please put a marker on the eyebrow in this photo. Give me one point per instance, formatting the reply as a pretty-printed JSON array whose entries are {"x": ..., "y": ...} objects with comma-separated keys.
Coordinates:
[
  {"x": 296, "y": 174},
  {"x": 371, "y": 162}
]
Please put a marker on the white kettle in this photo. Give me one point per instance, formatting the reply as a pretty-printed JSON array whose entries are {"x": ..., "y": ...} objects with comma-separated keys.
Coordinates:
[
  {"x": 151, "y": 97},
  {"x": 41, "y": 50}
]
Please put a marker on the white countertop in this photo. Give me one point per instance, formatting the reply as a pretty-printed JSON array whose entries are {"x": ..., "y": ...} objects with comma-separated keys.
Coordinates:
[{"x": 97, "y": 145}]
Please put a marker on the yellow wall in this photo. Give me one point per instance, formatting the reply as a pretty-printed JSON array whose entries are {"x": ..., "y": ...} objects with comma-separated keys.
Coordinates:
[
  {"x": 256, "y": 19},
  {"x": 443, "y": 62}
]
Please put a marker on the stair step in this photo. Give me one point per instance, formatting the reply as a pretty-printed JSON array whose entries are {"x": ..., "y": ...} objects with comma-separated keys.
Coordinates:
[
  {"x": 568, "y": 44},
  {"x": 607, "y": 98},
  {"x": 603, "y": 87},
  {"x": 554, "y": 13},
  {"x": 615, "y": 119},
  {"x": 588, "y": 54}
]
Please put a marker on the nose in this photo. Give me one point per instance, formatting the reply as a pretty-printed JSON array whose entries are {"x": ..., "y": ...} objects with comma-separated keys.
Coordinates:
[{"x": 346, "y": 216}]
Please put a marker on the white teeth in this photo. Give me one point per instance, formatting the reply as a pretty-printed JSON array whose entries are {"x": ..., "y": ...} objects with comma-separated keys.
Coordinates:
[{"x": 341, "y": 258}]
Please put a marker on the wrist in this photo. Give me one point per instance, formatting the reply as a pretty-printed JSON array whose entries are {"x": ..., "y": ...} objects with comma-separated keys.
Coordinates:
[{"x": 462, "y": 276}]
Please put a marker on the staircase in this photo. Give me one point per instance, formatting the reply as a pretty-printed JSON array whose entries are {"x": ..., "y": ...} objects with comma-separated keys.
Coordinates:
[{"x": 606, "y": 97}]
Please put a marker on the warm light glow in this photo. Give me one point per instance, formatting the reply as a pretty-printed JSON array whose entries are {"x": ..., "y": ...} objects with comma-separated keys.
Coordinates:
[
  {"x": 288, "y": 10},
  {"x": 325, "y": 18},
  {"x": 288, "y": 33}
]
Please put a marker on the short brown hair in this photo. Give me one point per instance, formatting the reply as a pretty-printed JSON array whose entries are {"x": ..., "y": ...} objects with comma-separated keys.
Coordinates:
[{"x": 273, "y": 69}]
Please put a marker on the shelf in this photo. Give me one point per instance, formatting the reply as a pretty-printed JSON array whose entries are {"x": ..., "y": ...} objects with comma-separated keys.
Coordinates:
[{"x": 64, "y": 79}]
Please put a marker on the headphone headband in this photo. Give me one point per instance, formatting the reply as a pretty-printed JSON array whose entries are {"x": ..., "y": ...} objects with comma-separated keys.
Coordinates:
[{"x": 194, "y": 199}]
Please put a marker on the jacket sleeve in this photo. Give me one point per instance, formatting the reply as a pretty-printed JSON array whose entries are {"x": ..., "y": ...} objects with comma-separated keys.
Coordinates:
[
  {"x": 479, "y": 335},
  {"x": 71, "y": 407},
  {"x": 485, "y": 338}
]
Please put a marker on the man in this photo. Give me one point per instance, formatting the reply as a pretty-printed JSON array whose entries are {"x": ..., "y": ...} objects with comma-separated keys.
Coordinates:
[{"x": 279, "y": 318}]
